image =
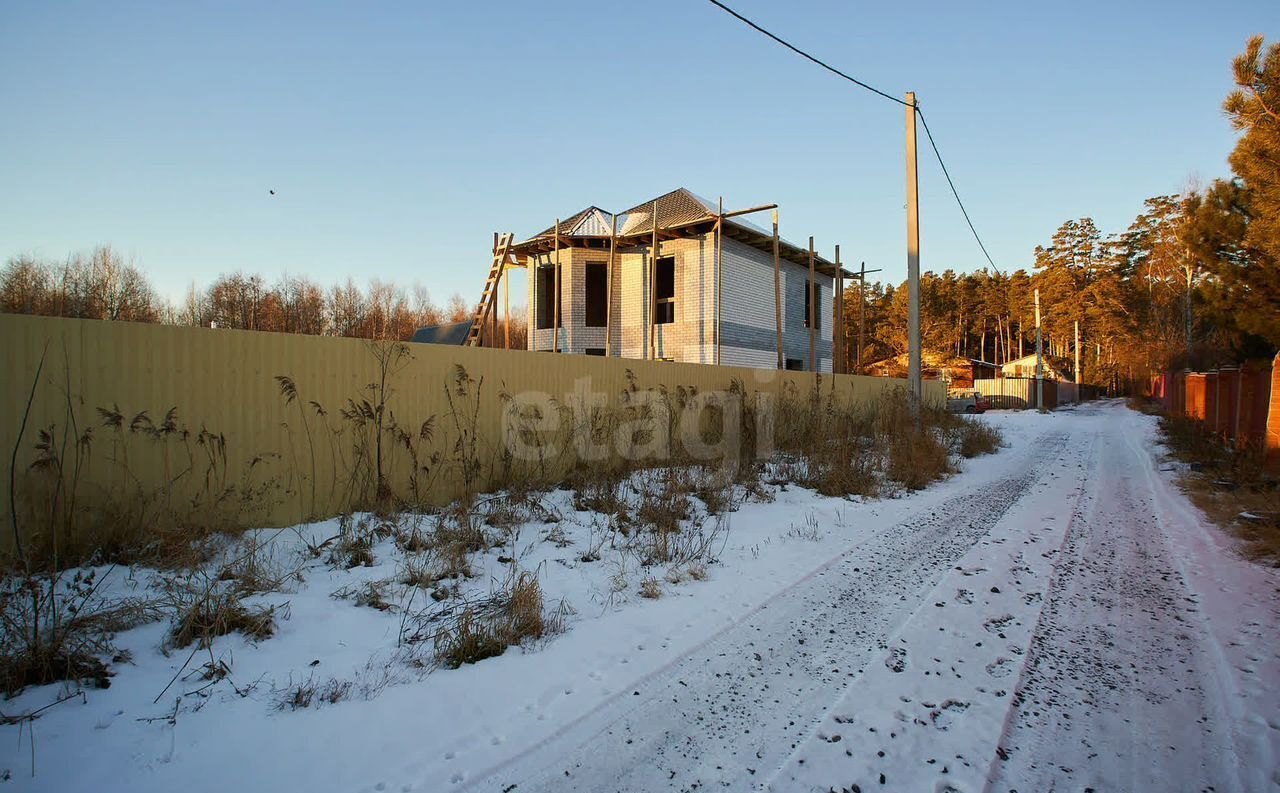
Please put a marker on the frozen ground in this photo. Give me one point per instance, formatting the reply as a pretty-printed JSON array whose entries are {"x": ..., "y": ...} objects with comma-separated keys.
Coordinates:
[{"x": 1055, "y": 617}]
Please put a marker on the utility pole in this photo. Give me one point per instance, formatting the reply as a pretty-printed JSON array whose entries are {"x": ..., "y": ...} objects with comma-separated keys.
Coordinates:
[
  {"x": 1039, "y": 357},
  {"x": 1076, "y": 348},
  {"x": 913, "y": 258}
]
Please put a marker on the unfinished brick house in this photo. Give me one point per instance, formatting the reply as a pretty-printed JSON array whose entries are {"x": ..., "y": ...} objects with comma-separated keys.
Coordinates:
[{"x": 674, "y": 278}]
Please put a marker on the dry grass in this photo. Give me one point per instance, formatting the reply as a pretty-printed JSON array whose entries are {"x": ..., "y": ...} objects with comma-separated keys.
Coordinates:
[
  {"x": 1233, "y": 487},
  {"x": 651, "y": 588},
  {"x": 599, "y": 489},
  {"x": 313, "y": 692},
  {"x": 916, "y": 460},
  {"x": 54, "y": 628},
  {"x": 976, "y": 437},
  {"x": 511, "y": 616},
  {"x": 664, "y": 500},
  {"x": 218, "y": 614},
  {"x": 370, "y": 594}
]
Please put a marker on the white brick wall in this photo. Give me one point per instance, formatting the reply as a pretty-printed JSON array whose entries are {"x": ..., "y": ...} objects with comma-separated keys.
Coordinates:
[{"x": 747, "y": 317}]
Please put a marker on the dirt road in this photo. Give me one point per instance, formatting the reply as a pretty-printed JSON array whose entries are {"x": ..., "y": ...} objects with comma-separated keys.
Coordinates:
[{"x": 1045, "y": 630}]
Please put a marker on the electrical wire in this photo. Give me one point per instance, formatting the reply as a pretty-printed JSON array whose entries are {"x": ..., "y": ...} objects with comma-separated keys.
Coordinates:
[
  {"x": 954, "y": 192},
  {"x": 804, "y": 54},
  {"x": 932, "y": 143}
]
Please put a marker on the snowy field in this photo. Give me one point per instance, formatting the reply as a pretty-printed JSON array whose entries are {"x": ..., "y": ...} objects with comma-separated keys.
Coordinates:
[{"x": 1053, "y": 617}]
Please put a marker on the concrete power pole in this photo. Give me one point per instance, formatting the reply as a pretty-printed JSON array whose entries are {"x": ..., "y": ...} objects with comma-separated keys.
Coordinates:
[
  {"x": 1039, "y": 357},
  {"x": 913, "y": 258},
  {"x": 1076, "y": 349}
]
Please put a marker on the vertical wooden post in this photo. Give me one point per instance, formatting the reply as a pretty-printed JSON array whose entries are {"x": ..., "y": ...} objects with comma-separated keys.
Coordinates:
[
  {"x": 719, "y": 270},
  {"x": 862, "y": 304},
  {"x": 813, "y": 314},
  {"x": 506, "y": 309},
  {"x": 653, "y": 293},
  {"x": 1235, "y": 430},
  {"x": 913, "y": 258},
  {"x": 555, "y": 287},
  {"x": 608, "y": 290},
  {"x": 1217, "y": 401},
  {"x": 777, "y": 290},
  {"x": 838, "y": 362}
]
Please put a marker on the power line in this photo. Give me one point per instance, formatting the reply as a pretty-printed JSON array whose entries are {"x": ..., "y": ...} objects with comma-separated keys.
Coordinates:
[
  {"x": 804, "y": 54},
  {"x": 874, "y": 90},
  {"x": 952, "y": 184}
]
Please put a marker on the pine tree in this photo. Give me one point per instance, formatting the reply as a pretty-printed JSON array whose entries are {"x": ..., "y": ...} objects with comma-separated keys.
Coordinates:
[{"x": 1254, "y": 108}]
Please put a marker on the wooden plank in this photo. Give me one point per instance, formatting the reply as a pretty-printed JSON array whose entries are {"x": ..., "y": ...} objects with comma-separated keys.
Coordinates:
[
  {"x": 735, "y": 213},
  {"x": 555, "y": 284},
  {"x": 813, "y": 314},
  {"x": 719, "y": 272},
  {"x": 653, "y": 295},
  {"x": 506, "y": 311},
  {"x": 777, "y": 290},
  {"x": 608, "y": 290},
  {"x": 837, "y": 321}
]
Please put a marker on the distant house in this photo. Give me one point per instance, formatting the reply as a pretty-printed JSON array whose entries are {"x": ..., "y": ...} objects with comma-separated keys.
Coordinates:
[
  {"x": 672, "y": 279},
  {"x": 1026, "y": 367},
  {"x": 959, "y": 371}
]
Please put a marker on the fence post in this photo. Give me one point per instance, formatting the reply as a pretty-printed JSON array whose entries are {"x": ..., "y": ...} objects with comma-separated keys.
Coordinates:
[
  {"x": 1272, "y": 440},
  {"x": 1235, "y": 430}
]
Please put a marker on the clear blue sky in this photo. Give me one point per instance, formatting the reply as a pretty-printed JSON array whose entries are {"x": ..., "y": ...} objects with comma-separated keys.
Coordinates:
[{"x": 399, "y": 136}]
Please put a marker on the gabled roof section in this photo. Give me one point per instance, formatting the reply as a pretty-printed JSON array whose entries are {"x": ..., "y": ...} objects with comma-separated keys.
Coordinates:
[
  {"x": 676, "y": 208},
  {"x": 590, "y": 222}
]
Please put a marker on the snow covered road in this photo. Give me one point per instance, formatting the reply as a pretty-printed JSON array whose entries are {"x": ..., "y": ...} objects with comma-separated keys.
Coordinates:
[
  {"x": 1056, "y": 616},
  {"x": 1035, "y": 632}
]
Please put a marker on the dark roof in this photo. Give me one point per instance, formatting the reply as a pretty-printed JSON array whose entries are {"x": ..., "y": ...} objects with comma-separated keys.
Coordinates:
[
  {"x": 579, "y": 223},
  {"x": 679, "y": 209},
  {"x": 452, "y": 333}
]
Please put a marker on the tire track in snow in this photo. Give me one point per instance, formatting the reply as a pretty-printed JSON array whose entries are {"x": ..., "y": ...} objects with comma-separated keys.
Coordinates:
[
  {"x": 1117, "y": 692},
  {"x": 734, "y": 710}
]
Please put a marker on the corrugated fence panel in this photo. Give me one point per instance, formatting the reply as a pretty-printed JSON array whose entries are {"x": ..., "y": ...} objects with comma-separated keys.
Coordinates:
[
  {"x": 1238, "y": 404},
  {"x": 202, "y": 420}
]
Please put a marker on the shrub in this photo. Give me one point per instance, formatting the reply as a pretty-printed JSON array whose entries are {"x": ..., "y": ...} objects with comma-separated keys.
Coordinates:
[
  {"x": 651, "y": 588},
  {"x": 511, "y": 616},
  {"x": 310, "y": 691},
  {"x": 976, "y": 437},
  {"x": 916, "y": 459},
  {"x": 53, "y": 630},
  {"x": 217, "y": 614}
]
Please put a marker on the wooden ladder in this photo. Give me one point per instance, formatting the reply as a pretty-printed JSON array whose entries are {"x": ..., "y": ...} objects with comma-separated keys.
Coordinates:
[{"x": 489, "y": 297}]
